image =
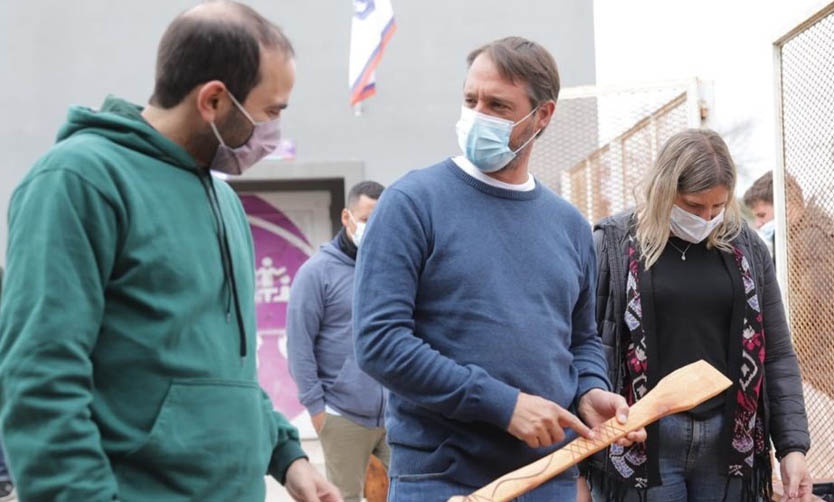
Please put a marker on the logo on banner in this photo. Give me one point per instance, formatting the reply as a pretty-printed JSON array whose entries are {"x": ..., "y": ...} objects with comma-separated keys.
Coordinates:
[{"x": 272, "y": 283}]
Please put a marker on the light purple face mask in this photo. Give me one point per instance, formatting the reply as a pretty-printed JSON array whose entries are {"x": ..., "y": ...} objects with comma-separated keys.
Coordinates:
[{"x": 263, "y": 141}]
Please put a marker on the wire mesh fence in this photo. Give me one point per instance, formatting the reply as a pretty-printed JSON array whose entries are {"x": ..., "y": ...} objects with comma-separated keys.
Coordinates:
[
  {"x": 601, "y": 141},
  {"x": 804, "y": 188}
]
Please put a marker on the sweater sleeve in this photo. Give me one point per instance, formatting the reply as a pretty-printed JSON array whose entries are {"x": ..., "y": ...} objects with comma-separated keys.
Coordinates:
[
  {"x": 395, "y": 246},
  {"x": 305, "y": 311},
  {"x": 62, "y": 245},
  {"x": 586, "y": 345},
  {"x": 788, "y": 420}
]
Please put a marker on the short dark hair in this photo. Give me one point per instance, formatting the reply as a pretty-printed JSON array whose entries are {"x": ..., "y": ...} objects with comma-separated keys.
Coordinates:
[
  {"x": 199, "y": 48},
  {"x": 370, "y": 189},
  {"x": 760, "y": 191},
  {"x": 519, "y": 59}
]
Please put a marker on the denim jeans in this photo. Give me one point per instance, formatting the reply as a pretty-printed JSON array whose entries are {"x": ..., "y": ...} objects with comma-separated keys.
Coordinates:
[
  {"x": 690, "y": 462},
  {"x": 430, "y": 488}
]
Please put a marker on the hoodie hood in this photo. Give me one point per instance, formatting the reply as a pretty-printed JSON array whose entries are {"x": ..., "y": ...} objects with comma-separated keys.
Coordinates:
[
  {"x": 121, "y": 122},
  {"x": 333, "y": 249}
]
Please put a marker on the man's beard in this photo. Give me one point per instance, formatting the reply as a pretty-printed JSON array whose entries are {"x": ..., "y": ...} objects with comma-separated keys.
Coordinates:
[
  {"x": 528, "y": 133},
  {"x": 234, "y": 128}
]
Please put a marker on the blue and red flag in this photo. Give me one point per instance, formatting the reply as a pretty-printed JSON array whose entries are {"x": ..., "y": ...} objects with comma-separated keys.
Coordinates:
[{"x": 372, "y": 27}]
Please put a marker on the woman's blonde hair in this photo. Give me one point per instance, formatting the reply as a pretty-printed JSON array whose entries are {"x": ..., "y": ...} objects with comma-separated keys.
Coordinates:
[{"x": 691, "y": 161}]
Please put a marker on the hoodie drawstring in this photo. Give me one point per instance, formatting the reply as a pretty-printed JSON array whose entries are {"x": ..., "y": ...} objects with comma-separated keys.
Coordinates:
[{"x": 226, "y": 255}]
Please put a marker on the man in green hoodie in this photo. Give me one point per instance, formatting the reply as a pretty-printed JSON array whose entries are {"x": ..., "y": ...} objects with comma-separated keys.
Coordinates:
[{"x": 127, "y": 339}]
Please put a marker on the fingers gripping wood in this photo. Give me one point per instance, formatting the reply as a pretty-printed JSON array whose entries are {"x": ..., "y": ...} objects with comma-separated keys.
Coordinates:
[{"x": 681, "y": 390}]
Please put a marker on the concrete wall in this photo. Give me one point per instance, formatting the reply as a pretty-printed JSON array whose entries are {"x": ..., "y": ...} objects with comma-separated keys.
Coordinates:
[{"x": 55, "y": 53}]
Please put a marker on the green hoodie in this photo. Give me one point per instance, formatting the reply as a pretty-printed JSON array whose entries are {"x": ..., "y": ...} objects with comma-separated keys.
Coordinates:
[{"x": 127, "y": 326}]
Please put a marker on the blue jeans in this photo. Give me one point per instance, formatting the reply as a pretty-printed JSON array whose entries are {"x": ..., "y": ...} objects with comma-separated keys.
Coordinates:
[
  {"x": 430, "y": 488},
  {"x": 690, "y": 462}
]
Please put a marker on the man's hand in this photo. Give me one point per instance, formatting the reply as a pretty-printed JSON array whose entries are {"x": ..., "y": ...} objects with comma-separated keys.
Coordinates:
[
  {"x": 318, "y": 421},
  {"x": 795, "y": 478},
  {"x": 539, "y": 422},
  {"x": 305, "y": 484},
  {"x": 597, "y": 406}
]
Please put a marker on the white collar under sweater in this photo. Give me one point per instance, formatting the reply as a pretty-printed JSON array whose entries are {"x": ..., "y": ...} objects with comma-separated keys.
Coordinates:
[{"x": 469, "y": 168}]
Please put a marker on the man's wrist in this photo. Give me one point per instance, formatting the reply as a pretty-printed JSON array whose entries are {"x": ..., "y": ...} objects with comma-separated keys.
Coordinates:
[{"x": 587, "y": 392}]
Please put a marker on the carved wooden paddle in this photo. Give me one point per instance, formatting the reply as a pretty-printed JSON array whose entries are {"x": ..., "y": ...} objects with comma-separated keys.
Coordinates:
[{"x": 681, "y": 390}]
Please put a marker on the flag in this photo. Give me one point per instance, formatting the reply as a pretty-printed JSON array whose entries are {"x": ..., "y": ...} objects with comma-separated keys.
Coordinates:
[{"x": 371, "y": 29}]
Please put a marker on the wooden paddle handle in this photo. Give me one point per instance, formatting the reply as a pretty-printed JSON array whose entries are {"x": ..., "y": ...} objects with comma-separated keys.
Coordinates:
[
  {"x": 683, "y": 389},
  {"x": 526, "y": 478}
]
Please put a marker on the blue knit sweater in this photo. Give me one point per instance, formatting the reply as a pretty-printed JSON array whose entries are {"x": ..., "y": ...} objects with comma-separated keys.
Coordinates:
[{"x": 465, "y": 295}]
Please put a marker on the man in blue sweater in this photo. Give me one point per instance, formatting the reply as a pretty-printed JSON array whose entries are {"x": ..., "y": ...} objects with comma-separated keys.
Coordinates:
[
  {"x": 346, "y": 405},
  {"x": 474, "y": 298}
]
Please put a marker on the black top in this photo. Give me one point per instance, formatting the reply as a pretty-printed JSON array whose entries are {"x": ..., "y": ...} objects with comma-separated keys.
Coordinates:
[{"x": 693, "y": 300}]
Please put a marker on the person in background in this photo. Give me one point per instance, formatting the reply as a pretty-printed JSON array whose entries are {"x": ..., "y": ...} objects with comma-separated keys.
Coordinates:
[
  {"x": 683, "y": 278},
  {"x": 345, "y": 405},
  {"x": 127, "y": 327},
  {"x": 474, "y": 298},
  {"x": 759, "y": 200},
  {"x": 809, "y": 233}
]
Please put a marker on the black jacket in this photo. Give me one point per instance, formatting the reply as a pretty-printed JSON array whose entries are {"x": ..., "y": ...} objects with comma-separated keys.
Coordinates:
[{"x": 784, "y": 410}]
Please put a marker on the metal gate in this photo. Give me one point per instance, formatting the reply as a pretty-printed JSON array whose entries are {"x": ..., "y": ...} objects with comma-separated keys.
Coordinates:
[
  {"x": 602, "y": 140},
  {"x": 804, "y": 203}
]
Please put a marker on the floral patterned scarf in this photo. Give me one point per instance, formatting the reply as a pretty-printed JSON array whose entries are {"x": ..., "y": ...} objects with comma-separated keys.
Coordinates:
[{"x": 747, "y": 436}]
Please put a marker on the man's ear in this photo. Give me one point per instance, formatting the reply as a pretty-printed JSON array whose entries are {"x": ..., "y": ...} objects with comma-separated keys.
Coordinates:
[
  {"x": 345, "y": 218},
  {"x": 545, "y": 113},
  {"x": 210, "y": 102}
]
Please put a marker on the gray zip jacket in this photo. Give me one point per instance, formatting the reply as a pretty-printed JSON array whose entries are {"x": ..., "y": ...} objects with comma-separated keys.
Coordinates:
[{"x": 320, "y": 341}]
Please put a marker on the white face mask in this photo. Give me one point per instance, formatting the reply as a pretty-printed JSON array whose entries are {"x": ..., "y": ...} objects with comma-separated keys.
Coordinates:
[
  {"x": 360, "y": 229},
  {"x": 690, "y": 227}
]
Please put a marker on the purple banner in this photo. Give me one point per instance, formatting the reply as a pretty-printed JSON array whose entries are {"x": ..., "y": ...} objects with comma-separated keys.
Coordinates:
[{"x": 280, "y": 249}]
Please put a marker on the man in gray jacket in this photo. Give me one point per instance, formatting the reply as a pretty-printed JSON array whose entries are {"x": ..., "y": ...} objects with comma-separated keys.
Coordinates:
[{"x": 346, "y": 405}]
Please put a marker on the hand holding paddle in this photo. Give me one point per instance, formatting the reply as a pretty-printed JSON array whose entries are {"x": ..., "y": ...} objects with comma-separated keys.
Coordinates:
[{"x": 681, "y": 390}]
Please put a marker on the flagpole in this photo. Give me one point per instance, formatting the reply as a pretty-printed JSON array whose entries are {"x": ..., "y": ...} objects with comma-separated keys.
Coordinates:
[{"x": 357, "y": 109}]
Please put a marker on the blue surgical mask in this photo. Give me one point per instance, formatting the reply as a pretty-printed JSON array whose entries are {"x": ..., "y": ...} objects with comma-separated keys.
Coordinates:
[
  {"x": 485, "y": 140},
  {"x": 768, "y": 230}
]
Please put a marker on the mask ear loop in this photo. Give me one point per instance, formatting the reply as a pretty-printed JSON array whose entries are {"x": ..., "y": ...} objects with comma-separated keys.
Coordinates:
[
  {"x": 217, "y": 133},
  {"x": 522, "y": 119},
  {"x": 527, "y": 142},
  {"x": 531, "y": 137},
  {"x": 353, "y": 220},
  {"x": 241, "y": 108}
]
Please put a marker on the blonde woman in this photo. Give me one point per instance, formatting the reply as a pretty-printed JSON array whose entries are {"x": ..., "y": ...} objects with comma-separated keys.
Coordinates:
[{"x": 683, "y": 278}]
